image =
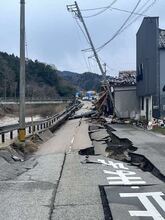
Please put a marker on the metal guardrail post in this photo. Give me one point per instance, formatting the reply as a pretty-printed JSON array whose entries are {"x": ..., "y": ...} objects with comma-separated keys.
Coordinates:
[
  {"x": 33, "y": 126},
  {"x": 3, "y": 137}
]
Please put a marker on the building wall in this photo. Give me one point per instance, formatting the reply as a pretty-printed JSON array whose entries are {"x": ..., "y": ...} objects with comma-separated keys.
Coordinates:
[
  {"x": 126, "y": 102},
  {"x": 162, "y": 82},
  {"x": 148, "y": 81},
  {"x": 143, "y": 110}
]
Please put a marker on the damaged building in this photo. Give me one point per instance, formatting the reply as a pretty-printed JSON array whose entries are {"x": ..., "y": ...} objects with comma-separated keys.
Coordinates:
[
  {"x": 141, "y": 93},
  {"x": 125, "y": 97},
  {"x": 151, "y": 68}
]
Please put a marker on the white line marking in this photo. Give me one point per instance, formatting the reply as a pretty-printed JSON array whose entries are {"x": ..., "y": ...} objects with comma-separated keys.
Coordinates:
[
  {"x": 135, "y": 187},
  {"x": 151, "y": 210},
  {"x": 114, "y": 165},
  {"x": 124, "y": 176},
  {"x": 72, "y": 140},
  {"x": 21, "y": 181}
]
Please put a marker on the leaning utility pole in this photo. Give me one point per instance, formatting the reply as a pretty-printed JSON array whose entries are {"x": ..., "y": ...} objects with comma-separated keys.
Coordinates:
[
  {"x": 22, "y": 131},
  {"x": 75, "y": 9}
]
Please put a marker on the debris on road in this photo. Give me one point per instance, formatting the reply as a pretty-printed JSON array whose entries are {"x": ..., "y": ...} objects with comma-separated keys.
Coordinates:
[{"x": 84, "y": 115}]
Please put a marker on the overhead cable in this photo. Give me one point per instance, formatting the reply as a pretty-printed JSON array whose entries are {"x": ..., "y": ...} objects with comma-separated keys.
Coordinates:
[
  {"x": 102, "y": 11},
  {"x": 118, "y": 31},
  {"x": 82, "y": 30},
  {"x": 124, "y": 26},
  {"x": 135, "y": 19},
  {"x": 83, "y": 55}
]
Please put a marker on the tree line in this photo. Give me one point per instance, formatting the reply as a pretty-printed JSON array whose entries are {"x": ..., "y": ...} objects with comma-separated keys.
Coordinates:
[{"x": 42, "y": 80}]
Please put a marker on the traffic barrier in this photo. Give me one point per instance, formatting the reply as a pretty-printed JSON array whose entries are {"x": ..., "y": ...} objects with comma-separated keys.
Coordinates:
[{"x": 10, "y": 131}]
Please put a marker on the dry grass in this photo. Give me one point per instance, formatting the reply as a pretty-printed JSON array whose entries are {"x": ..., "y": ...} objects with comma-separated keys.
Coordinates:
[{"x": 159, "y": 130}]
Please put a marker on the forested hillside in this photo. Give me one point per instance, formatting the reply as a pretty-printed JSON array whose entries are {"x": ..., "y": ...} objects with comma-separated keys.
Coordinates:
[
  {"x": 85, "y": 81},
  {"x": 42, "y": 81}
]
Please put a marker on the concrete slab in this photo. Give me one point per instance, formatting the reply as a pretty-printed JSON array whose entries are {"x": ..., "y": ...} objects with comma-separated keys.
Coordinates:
[
  {"x": 46, "y": 166},
  {"x": 94, "y": 127},
  {"x": 78, "y": 195},
  {"x": 78, "y": 212},
  {"x": 120, "y": 173},
  {"x": 45, "y": 135},
  {"x": 100, "y": 135},
  {"x": 100, "y": 147},
  {"x": 31, "y": 195},
  {"x": 81, "y": 138},
  {"x": 149, "y": 144},
  {"x": 25, "y": 200}
]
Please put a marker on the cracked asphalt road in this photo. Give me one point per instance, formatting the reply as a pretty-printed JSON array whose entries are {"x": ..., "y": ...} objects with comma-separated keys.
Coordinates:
[
  {"x": 62, "y": 186},
  {"x": 32, "y": 194}
]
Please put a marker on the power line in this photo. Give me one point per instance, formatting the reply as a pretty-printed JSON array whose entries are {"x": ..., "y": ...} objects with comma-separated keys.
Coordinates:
[
  {"x": 83, "y": 55},
  {"x": 126, "y": 11},
  {"x": 140, "y": 13},
  {"x": 82, "y": 30},
  {"x": 118, "y": 31},
  {"x": 112, "y": 8},
  {"x": 144, "y": 11},
  {"x": 102, "y": 11},
  {"x": 122, "y": 28}
]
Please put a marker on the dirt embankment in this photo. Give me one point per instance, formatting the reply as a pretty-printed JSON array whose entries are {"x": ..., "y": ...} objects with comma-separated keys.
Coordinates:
[{"x": 42, "y": 110}]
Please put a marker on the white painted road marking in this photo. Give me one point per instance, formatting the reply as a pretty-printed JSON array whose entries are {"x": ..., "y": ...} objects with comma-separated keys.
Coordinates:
[
  {"x": 151, "y": 211},
  {"x": 72, "y": 140},
  {"x": 135, "y": 187},
  {"x": 125, "y": 177},
  {"x": 114, "y": 165}
]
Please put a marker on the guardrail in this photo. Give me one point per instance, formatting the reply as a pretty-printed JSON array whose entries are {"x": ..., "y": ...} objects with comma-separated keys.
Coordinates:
[
  {"x": 11, "y": 131},
  {"x": 8, "y": 99}
]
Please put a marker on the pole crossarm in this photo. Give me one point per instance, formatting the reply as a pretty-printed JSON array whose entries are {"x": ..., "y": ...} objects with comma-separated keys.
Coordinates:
[{"x": 74, "y": 8}]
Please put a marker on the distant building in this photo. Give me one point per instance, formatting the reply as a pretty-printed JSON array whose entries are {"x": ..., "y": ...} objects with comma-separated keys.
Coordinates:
[
  {"x": 126, "y": 101},
  {"x": 124, "y": 92},
  {"x": 150, "y": 78},
  {"x": 124, "y": 77}
]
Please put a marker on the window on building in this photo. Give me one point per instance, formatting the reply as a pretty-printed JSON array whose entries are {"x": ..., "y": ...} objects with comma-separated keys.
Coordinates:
[
  {"x": 140, "y": 73},
  {"x": 142, "y": 102},
  {"x": 163, "y": 88}
]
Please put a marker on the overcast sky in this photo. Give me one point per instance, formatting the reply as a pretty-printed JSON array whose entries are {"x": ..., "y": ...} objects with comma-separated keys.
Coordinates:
[{"x": 54, "y": 38}]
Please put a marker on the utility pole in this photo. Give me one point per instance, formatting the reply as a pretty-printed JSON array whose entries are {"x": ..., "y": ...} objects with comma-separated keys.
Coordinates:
[
  {"x": 22, "y": 131},
  {"x": 75, "y": 9}
]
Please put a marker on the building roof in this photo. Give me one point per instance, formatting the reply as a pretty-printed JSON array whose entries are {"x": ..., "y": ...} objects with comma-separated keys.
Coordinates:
[{"x": 161, "y": 38}]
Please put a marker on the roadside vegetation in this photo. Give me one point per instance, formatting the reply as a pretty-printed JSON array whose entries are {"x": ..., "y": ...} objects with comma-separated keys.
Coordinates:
[
  {"x": 42, "y": 80},
  {"x": 159, "y": 130}
]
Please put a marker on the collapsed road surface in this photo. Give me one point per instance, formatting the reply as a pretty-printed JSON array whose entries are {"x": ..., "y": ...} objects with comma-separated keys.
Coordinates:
[{"x": 61, "y": 182}]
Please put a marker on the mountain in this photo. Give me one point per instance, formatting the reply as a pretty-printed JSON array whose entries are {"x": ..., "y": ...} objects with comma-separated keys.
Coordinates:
[
  {"x": 85, "y": 81},
  {"x": 42, "y": 80}
]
